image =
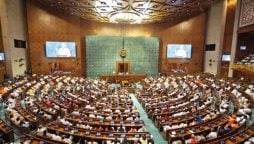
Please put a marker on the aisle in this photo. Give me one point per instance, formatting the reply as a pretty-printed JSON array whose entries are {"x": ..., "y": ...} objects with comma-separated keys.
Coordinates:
[{"x": 158, "y": 139}]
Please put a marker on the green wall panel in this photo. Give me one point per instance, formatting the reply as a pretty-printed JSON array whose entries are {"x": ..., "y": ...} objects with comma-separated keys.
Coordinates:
[{"x": 102, "y": 52}]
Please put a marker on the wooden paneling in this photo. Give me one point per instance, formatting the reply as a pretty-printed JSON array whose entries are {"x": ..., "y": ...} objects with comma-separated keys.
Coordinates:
[
  {"x": 1, "y": 38},
  {"x": 46, "y": 25},
  {"x": 192, "y": 32},
  {"x": 228, "y": 35},
  {"x": 2, "y": 64}
]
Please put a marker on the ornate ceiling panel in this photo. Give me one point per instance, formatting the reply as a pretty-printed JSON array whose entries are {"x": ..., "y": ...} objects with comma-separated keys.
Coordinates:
[{"x": 130, "y": 11}]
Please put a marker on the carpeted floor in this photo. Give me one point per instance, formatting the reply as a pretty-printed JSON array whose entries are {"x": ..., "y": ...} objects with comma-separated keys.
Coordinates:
[{"x": 158, "y": 139}]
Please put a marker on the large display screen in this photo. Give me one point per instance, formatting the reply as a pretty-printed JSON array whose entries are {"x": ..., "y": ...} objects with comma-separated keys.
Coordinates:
[
  {"x": 226, "y": 57},
  {"x": 56, "y": 49},
  {"x": 179, "y": 51},
  {"x": 1, "y": 56}
]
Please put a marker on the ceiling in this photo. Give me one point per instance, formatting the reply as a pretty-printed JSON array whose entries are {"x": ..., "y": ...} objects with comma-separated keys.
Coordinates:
[{"x": 130, "y": 11}]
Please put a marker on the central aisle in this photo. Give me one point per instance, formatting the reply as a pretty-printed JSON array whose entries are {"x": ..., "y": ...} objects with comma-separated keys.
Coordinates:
[{"x": 158, "y": 139}]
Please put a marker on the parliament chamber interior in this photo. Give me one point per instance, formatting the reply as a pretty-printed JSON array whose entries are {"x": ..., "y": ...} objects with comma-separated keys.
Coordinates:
[{"x": 126, "y": 72}]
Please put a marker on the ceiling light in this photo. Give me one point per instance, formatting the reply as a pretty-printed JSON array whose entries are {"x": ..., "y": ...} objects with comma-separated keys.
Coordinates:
[{"x": 125, "y": 17}]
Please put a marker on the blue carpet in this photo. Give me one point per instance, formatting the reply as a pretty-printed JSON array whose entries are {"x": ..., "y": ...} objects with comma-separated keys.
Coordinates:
[{"x": 158, "y": 139}]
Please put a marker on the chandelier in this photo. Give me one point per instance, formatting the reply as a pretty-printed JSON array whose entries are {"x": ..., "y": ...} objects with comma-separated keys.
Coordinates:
[
  {"x": 125, "y": 14},
  {"x": 125, "y": 17}
]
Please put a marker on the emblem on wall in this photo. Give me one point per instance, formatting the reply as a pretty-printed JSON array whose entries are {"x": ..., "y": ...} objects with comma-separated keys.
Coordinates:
[{"x": 123, "y": 53}]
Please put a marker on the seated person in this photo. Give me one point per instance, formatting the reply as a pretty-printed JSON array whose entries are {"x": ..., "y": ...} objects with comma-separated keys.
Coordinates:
[
  {"x": 200, "y": 138},
  {"x": 192, "y": 140},
  {"x": 142, "y": 129},
  {"x": 121, "y": 129},
  {"x": 177, "y": 142},
  {"x": 24, "y": 124},
  {"x": 67, "y": 139},
  {"x": 40, "y": 112},
  {"x": 143, "y": 140},
  {"x": 242, "y": 119},
  {"x": 132, "y": 130},
  {"x": 207, "y": 117},
  {"x": 244, "y": 111},
  {"x": 41, "y": 130},
  {"x": 234, "y": 125},
  {"x": 231, "y": 119},
  {"x": 220, "y": 131},
  {"x": 75, "y": 113},
  {"x": 198, "y": 118},
  {"x": 227, "y": 128},
  {"x": 213, "y": 134},
  {"x": 223, "y": 106}
]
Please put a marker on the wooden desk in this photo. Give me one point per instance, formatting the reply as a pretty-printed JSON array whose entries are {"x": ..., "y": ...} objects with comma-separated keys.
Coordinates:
[
  {"x": 2, "y": 72},
  {"x": 129, "y": 77},
  {"x": 7, "y": 131},
  {"x": 95, "y": 135}
]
